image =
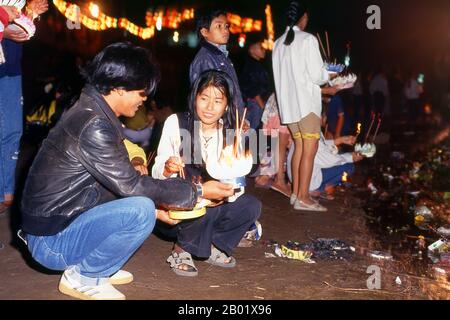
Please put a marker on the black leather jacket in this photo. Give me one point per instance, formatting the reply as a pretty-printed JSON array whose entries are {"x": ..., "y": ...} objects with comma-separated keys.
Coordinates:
[{"x": 84, "y": 163}]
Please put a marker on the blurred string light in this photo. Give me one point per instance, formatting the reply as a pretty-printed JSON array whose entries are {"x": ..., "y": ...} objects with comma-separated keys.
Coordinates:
[
  {"x": 176, "y": 37},
  {"x": 269, "y": 42},
  {"x": 95, "y": 19},
  {"x": 242, "y": 38}
]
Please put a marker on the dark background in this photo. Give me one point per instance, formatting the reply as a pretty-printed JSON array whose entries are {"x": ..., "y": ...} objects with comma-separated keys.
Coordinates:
[{"x": 414, "y": 33}]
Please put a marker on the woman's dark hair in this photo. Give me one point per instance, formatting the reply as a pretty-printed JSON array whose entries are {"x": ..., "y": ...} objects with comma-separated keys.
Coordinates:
[
  {"x": 221, "y": 81},
  {"x": 122, "y": 66},
  {"x": 205, "y": 20},
  {"x": 295, "y": 12}
]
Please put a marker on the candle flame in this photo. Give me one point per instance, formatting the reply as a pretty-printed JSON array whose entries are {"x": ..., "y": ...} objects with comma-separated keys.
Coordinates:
[
  {"x": 345, "y": 177},
  {"x": 358, "y": 131}
]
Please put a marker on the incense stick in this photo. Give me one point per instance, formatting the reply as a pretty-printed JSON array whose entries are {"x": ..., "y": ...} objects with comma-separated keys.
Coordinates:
[
  {"x": 328, "y": 45},
  {"x": 323, "y": 48},
  {"x": 241, "y": 127},
  {"x": 150, "y": 157},
  {"x": 376, "y": 131},
  {"x": 370, "y": 128}
]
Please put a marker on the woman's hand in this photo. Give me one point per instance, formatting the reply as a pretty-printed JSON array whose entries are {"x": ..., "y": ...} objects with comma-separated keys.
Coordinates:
[
  {"x": 138, "y": 164},
  {"x": 357, "y": 156},
  {"x": 173, "y": 165},
  {"x": 331, "y": 91},
  {"x": 12, "y": 12},
  {"x": 163, "y": 216},
  {"x": 215, "y": 190},
  {"x": 348, "y": 140},
  {"x": 37, "y": 7},
  {"x": 15, "y": 35}
]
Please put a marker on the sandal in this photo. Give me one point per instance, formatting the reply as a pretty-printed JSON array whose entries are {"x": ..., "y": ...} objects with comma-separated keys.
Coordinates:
[
  {"x": 279, "y": 188},
  {"x": 176, "y": 260},
  {"x": 220, "y": 259},
  {"x": 302, "y": 206}
]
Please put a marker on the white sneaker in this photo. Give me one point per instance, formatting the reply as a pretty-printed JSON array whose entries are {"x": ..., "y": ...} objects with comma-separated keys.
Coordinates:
[
  {"x": 70, "y": 286},
  {"x": 293, "y": 199},
  {"x": 121, "y": 277}
]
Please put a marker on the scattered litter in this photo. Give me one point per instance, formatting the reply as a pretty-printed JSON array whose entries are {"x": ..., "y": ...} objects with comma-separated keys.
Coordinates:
[
  {"x": 380, "y": 255},
  {"x": 262, "y": 289},
  {"x": 443, "y": 231},
  {"x": 437, "y": 245},
  {"x": 398, "y": 281},
  {"x": 260, "y": 298},
  {"x": 330, "y": 249},
  {"x": 269, "y": 255},
  {"x": 214, "y": 286}
]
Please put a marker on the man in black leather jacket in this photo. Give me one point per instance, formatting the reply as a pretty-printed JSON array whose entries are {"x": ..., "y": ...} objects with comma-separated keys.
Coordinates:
[{"x": 85, "y": 209}]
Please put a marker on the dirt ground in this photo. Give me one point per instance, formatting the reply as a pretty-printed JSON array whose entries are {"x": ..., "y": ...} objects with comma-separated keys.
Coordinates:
[{"x": 254, "y": 278}]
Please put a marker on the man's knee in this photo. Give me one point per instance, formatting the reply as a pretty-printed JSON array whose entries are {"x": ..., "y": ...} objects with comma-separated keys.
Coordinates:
[{"x": 145, "y": 211}]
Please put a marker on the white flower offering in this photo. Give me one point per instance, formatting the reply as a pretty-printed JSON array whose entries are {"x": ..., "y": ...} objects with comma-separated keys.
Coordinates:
[
  {"x": 368, "y": 150},
  {"x": 344, "y": 82}
]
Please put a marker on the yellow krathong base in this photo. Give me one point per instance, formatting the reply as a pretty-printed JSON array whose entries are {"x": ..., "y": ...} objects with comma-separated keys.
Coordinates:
[{"x": 186, "y": 215}]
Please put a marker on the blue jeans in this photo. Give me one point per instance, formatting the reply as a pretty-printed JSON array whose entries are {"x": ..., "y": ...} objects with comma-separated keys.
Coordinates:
[
  {"x": 333, "y": 176},
  {"x": 254, "y": 114},
  {"x": 11, "y": 113},
  {"x": 100, "y": 241}
]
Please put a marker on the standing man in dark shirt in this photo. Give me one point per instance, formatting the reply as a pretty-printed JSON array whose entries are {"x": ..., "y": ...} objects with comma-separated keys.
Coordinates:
[{"x": 254, "y": 82}]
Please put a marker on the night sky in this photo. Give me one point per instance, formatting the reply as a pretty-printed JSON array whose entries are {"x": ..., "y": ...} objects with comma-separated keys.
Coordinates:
[
  {"x": 413, "y": 34},
  {"x": 412, "y": 31}
]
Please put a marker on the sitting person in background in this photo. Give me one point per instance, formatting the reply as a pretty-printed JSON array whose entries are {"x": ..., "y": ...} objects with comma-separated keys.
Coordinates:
[
  {"x": 329, "y": 165},
  {"x": 268, "y": 170},
  {"x": 139, "y": 128},
  {"x": 336, "y": 118}
]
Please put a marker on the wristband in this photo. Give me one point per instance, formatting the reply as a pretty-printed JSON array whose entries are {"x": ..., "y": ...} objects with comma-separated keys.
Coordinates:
[{"x": 199, "y": 189}]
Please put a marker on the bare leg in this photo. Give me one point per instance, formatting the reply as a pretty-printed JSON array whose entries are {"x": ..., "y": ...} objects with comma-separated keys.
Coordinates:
[
  {"x": 310, "y": 147},
  {"x": 280, "y": 180},
  {"x": 296, "y": 165}
]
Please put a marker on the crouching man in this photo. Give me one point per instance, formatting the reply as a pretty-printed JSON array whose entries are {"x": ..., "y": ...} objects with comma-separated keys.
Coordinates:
[{"x": 85, "y": 209}]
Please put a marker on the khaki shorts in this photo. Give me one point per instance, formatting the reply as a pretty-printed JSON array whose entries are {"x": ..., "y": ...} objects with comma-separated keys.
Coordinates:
[{"x": 306, "y": 128}]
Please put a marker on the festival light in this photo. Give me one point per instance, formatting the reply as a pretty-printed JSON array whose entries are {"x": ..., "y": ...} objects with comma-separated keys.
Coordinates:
[
  {"x": 94, "y": 9},
  {"x": 242, "y": 38},
  {"x": 269, "y": 42},
  {"x": 94, "y": 19},
  {"x": 176, "y": 37}
]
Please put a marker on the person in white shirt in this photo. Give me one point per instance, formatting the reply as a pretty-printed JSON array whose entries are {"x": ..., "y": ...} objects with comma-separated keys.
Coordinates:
[
  {"x": 299, "y": 72},
  {"x": 329, "y": 164},
  {"x": 412, "y": 92},
  {"x": 187, "y": 142},
  {"x": 379, "y": 90}
]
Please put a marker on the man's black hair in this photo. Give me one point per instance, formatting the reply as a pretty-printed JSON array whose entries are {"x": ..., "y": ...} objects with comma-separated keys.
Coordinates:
[
  {"x": 205, "y": 20},
  {"x": 122, "y": 66}
]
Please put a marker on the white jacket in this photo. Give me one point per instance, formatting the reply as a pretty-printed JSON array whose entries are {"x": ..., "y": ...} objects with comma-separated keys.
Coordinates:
[{"x": 299, "y": 72}]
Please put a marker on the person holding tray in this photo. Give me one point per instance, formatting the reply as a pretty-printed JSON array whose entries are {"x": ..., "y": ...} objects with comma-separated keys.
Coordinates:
[{"x": 202, "y": 130}]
